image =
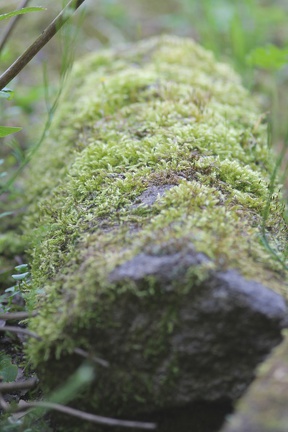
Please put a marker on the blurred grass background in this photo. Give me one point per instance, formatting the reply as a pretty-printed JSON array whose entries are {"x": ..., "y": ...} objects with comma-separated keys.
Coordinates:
[{"x": 232, "y": 29}]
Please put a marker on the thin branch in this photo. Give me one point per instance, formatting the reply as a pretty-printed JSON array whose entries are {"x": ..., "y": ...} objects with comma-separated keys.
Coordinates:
[
  {"x": 14, "y": 386},
  {"x": 15, "y": 329},
  {"x": 39, "y": 43},
  {"x": 9, "y": 316},
  {"x": 79, "y": 351},
  {"x": 11, "y": 26},
  {"x": 85, "y": 354},
  {"x": 87, "y": 416}
]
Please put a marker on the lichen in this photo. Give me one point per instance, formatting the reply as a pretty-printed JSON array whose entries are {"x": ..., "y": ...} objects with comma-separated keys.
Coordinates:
[{"x": 161, "y": 112}]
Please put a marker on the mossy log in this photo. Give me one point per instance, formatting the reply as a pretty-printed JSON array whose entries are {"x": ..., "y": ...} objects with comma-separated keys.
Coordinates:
[{"x": 156, "y": 235}]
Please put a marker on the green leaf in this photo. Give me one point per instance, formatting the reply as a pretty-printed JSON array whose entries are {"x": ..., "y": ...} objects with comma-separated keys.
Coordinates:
[
  {"x": 6, "y": 130},
  {"x": 13, "y": 290},
  {"x": 21, "y": 267},
  {"x": 6, "y": 93},
  {"x": 21, "y": 276},
  {"x": 4, "y": 214},
  {"x": 268, "y": 57},
  {"x": 8, "y": 371},
  {"x": 20, "y": 12}
]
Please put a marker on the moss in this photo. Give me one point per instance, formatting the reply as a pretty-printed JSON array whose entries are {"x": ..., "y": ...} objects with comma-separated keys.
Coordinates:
[{"x": 161, "y": 112}]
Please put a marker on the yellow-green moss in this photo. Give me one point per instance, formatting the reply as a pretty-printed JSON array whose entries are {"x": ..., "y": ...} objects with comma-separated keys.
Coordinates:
[{"x": 161, "y": 112}]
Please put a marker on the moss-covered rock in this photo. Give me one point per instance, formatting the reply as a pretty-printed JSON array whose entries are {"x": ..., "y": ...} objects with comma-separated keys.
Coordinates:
[{"x": 156, "y": 149}]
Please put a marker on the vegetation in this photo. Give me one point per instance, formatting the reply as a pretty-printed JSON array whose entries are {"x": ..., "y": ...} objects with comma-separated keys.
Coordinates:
[{"x": 250, "y": 34}]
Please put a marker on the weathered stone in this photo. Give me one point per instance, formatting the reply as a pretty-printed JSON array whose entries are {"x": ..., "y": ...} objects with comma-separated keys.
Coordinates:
[
  {"x": 225, "y": 327},
  {"x": 265, "y": 406},
  {"x": 154, "y": 239},
  {"x": 150, "y": 195}
]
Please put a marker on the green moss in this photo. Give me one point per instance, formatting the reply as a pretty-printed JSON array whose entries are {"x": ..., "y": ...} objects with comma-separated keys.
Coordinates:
[{"x": 161, "y": 112}]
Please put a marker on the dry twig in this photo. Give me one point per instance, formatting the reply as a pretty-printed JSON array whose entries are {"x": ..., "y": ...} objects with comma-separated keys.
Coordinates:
[
  {"x": 10, "y": 316},
  {"x": 87, "y": 416},
  {"x": 15, "y": 386},
  {"x": 85, "y": 354},
  {"x": 15, "y": 329},
  {"x": 79, "y": 351}
]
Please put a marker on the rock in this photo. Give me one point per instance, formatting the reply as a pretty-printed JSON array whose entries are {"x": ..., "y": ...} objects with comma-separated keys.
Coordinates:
[
  {"x": 264, "y": 407},
  {"x": 146, "y": 235},
  {"x": 150, "y": 195},
  {"x": 220, "y": 320}
]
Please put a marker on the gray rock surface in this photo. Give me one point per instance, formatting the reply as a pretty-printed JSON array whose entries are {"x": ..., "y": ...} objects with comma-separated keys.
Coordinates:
[
  {"x": 151, "y": 194},
  {"x": 224, "y": 328}
]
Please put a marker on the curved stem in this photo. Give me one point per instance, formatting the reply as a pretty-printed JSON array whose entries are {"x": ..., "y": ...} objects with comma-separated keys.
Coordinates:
[
  {"x": 10, "y": 316},
  {"x": 15, "y": 386},
  {"x": 87, "y": 416},
  {"x": 20, "y": 330}
]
